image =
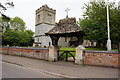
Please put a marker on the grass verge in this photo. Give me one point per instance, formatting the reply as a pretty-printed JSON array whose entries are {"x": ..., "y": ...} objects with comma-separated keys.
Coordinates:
[{"x": 73, "y": 49}]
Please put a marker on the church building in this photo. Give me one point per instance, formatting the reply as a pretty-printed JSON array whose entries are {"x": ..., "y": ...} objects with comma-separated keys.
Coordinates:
[{"x": 45, "y": 22}]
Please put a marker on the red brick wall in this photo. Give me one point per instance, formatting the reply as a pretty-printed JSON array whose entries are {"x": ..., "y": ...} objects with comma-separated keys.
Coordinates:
[
  {"x": 101, "y": 58},
  {"x": 98, "y": 58},
  {"x": 39, "y": 53}
]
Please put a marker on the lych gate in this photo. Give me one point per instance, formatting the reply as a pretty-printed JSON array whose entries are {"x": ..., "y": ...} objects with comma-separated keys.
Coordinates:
[{"x": 65, "y": 28}]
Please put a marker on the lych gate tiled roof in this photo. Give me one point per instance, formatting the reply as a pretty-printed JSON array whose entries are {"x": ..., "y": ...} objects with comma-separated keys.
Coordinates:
[{"x": 67, "y": 25}]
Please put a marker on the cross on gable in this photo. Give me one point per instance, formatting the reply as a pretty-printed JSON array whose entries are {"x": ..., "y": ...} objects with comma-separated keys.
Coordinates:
[{"x": 67, "y": 12}]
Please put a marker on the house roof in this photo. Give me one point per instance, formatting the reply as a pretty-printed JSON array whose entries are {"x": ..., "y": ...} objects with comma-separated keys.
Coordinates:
[{"x": 65, "y": 26}]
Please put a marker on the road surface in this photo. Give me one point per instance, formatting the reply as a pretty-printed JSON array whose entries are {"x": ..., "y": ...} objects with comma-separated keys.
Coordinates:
[
  {"x": 62, "y": 68},
  {"x": 17, "y": 71}
]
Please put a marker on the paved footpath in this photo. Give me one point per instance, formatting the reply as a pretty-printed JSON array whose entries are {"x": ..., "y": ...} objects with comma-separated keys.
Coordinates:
[{"x": 62, "y": 68}]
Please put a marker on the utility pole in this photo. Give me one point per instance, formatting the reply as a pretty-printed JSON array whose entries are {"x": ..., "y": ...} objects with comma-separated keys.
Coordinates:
[{"x": 108, "y": 41}]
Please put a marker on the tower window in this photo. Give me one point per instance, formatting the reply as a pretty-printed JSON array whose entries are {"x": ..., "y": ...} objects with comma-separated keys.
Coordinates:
[
  {"x": 38, "y": 18},
  {"x": 49, "y": 18},
  {"x": 49, "y": 14}
]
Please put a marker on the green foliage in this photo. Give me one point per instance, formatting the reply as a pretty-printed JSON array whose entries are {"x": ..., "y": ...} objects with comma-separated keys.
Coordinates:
[
  {"x": 14, "y": 23},
  {"x": 10, "y": 37},
  {"x": 4, "y": 22},
  {"x": 16, "y": 35},
  {"x": 17, "y": 38},
  {"x": 17, "y": 24},
  {"x": 96, "y": 49},
  {"x": 94, "y": 22},
  {"x": 67, "y": 48},
  {"x": 3, "y": 8},
  {"x": 73, "y": 49}
]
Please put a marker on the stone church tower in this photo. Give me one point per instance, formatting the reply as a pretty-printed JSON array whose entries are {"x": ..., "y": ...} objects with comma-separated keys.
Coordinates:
[{"x": 45, "y": 21}]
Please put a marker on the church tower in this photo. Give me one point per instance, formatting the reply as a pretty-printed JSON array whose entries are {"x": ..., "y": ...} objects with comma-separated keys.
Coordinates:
[{"x": 45, "y": 21}]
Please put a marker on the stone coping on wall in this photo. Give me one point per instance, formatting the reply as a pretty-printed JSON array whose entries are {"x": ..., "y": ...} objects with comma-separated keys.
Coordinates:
[
  {"x": 26, "y": 48},
  {"x": 91, "y": 51}
]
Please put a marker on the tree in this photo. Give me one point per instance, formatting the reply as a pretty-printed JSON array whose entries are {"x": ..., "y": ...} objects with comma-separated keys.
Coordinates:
[
  {"x": 17, "y": 38},
  {"x": 11, "y": 37},
  {"x": 4, "y": 19},
  {"x": 14, "y": 23},
  {"x": 17, "y": 24},
  {"x": 4, "y": 7},
  {"x": 16, "y": 34},
  {"x": 4, "y": 23},
  {"x": 27, "y": 38},
  {"x": 94, "y": 22}
]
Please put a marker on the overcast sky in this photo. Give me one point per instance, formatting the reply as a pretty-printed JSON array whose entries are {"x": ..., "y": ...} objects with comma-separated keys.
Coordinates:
[{"x": 25, "y": 9}]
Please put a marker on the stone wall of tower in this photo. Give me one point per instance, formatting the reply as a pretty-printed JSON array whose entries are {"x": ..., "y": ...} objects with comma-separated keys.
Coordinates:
[
  {"x": 42, "y": 29},
  {"x": 40, "y": 36},
  {"x": 45, "y": 15},
  {"x": 45, "y": 21}
]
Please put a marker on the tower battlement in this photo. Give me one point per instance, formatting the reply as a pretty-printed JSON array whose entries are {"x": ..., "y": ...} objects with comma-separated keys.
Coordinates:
[
  {"x": 45, "y": 7},
  {"x": 45, "y": 15}
]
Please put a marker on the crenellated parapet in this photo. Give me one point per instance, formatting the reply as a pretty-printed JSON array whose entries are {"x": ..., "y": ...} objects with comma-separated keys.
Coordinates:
[
  {"x": 46, "y": 8},
  {"x": 45, "y": 15}
]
